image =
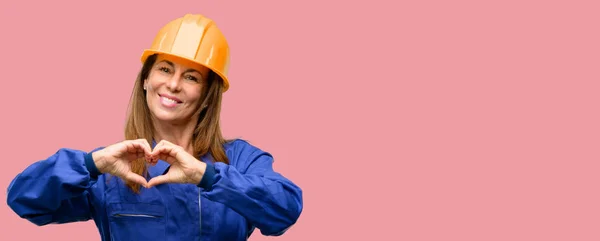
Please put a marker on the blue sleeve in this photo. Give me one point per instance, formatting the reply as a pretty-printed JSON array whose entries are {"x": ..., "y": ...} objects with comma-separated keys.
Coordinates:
[
  {"x": 271, "y": 202},
  {"x": 55, "y": 190}
]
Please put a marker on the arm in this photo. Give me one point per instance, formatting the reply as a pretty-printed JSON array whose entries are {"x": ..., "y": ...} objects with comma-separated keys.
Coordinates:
[
  {"x": 267, "y": 199},
  {"x": 55, "y": 190}
]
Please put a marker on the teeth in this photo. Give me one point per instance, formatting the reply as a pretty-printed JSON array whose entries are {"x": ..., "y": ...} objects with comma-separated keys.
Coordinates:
[{"x": 170, "y": 100}]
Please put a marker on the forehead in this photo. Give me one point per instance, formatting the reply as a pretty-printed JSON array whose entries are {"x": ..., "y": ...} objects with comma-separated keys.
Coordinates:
[{"x": 181, "y": 63}]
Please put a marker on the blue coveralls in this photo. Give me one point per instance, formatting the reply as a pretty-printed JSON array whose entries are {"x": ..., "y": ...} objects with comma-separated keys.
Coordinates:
[{"x": 229, "y": 203}]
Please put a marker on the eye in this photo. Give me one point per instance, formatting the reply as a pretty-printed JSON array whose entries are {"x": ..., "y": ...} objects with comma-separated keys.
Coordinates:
[
  {"x": 191, "y": 77},
  {"x": 165, "y": 69}
]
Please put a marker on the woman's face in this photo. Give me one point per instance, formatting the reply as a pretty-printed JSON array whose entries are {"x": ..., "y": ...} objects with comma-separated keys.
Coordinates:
[{"x": 173, "y": 89}]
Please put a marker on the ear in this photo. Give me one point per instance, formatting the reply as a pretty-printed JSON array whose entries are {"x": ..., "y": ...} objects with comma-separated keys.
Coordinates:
[{"x": 145, "y": 84}]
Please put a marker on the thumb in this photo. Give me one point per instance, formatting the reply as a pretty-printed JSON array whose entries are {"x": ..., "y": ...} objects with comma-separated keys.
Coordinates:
[{"x": 158, "y": 180}]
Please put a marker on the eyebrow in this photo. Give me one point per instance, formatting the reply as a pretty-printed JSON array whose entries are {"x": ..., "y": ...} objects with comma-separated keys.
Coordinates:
[{"x": 186, "y": 71}]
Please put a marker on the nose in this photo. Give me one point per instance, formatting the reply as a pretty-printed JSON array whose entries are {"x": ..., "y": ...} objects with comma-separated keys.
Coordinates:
[{"x": 174, "y": 83}]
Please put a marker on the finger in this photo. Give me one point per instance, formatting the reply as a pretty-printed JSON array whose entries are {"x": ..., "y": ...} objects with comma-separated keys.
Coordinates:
[
  {"x": 152, "y": 160},
  {"x": 171, "y": 149},
  {"x": 160, "y": 149},
  {"x": 167, "y": 153},
  {"x": 146, "y": 149},
  {"x": 165, "y": 157},
  {"x": 135, "y": 151},
  {"x": 155, "y": 156},
  {"x": 159, "y": 144},
  {"x": 158, "y": 180},
  {"x": 165, "y": 143},
  {"x": 136, "y": 178},
  {"x": 134, "y": 147},
  {"x": 138, "y": 145},
  {"x": 142, "y": 147},
  {"x": 145, "y": 145}
]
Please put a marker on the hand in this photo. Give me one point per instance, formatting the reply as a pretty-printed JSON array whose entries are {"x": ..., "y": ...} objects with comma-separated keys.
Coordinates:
[
  {"x": 185, "y": 168},
  {"x": 115, "y": 159}
]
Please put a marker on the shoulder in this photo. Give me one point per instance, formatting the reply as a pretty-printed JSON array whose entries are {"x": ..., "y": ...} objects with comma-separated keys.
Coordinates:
[
  {"x": 243, "y": 152},
  {"x": 242, "y": 146}
]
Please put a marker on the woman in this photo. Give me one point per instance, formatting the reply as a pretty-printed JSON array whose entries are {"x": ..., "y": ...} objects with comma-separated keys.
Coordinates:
[{"x": 174, "y": 177}]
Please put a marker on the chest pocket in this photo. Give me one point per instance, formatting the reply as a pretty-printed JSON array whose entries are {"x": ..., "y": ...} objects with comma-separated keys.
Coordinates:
[
  {"x": 137, "y": 221},
  {"x": 135, "y": 216}
]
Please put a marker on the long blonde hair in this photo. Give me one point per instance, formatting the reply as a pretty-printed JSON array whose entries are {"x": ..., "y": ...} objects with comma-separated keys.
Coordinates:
[{"x": 207, "y": 137}]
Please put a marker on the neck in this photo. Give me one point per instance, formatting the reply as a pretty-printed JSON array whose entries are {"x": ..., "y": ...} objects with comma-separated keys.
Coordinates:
[{"x": 178, "y": 134}]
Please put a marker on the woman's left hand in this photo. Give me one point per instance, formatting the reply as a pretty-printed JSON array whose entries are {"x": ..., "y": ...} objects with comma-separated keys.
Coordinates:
[{"x": 185, "y": 168}]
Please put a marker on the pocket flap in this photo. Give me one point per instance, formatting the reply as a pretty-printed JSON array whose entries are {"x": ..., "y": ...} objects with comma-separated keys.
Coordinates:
[{"x": 136, "y": 209}]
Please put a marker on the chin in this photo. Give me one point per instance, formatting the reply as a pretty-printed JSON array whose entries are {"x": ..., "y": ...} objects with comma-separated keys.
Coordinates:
[{"x": 161, "y": 115}]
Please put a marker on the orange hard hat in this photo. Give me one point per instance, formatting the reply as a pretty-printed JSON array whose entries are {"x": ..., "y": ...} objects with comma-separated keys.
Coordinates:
[{"x": 194, "y": 38}]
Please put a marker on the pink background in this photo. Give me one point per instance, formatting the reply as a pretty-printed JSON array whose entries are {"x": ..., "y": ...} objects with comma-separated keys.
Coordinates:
[{"x": 436, "y": 120}]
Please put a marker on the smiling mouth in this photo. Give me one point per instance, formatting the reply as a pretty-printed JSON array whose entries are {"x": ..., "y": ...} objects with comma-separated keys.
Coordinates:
[{"x": 169, "y": 100}]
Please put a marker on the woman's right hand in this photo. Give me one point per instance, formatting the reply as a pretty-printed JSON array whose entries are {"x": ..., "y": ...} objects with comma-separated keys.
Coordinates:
[{"x": 116, "y": 158}]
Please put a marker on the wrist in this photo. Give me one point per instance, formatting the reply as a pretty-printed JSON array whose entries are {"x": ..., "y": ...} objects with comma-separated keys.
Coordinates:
[
  {"x": 98, "y": 160},
  {"x": 199, "y": 173},
  {"x": 91, "y": 165},
  {"x": 209, "y": 177}
]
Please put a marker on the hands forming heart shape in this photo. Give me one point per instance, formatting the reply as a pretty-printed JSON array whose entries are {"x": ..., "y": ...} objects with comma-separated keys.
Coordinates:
[{"x": 115, "y": 159}]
